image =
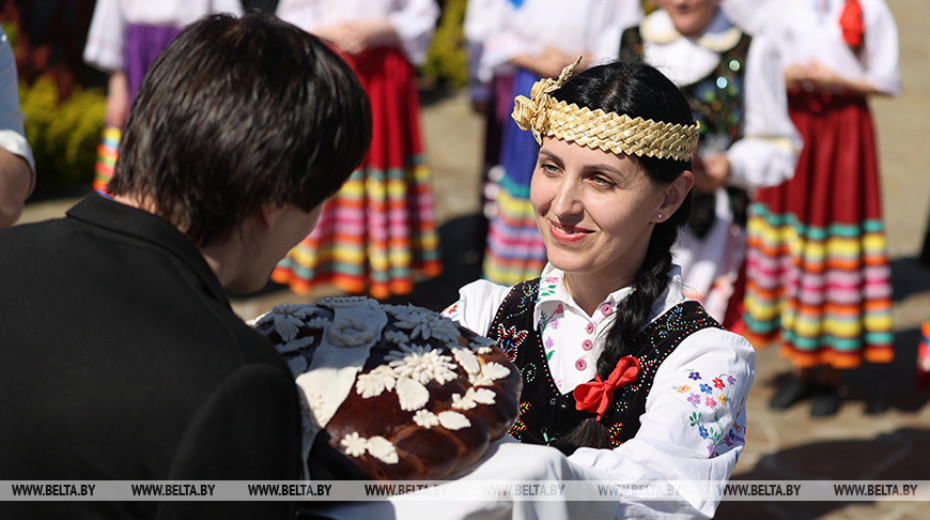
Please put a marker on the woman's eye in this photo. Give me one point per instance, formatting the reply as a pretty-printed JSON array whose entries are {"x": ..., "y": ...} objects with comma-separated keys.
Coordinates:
[
  {"x": 549, "y": 168},
  {"x": 600, "y": 180}
]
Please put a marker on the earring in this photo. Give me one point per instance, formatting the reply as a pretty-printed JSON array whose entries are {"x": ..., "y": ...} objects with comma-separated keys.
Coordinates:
[{"x": 660, "y": 216}]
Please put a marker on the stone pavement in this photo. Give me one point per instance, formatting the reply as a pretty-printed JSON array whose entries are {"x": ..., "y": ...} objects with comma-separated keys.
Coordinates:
[{"x": 883, "y": 430}]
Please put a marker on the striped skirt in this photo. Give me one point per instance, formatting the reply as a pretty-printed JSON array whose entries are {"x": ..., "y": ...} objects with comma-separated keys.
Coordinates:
[
  {"x": 377, "y": 235},
  {"x": 817, "y": 265},
  {"x": 515, "y": 250}
]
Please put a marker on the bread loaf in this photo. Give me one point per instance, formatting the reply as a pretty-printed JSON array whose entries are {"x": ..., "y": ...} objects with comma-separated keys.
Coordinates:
[{"x": 392, "y": 392}]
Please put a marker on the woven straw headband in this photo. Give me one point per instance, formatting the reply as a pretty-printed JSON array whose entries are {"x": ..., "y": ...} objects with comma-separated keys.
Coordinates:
[{"x": 610, "y": 132}]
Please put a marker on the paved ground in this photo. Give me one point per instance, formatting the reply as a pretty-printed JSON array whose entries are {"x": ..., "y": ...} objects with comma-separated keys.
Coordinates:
[{"x": 883, "y": 430}]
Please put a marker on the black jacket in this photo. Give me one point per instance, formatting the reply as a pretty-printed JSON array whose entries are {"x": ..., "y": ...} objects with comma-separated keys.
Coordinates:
[{"x": 121, "y": 359}]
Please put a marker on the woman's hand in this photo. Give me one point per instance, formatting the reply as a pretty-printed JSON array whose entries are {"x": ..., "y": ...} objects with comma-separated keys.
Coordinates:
[
  {"x": 710, "y": 172},
  {"x": 354, "y": 37}
]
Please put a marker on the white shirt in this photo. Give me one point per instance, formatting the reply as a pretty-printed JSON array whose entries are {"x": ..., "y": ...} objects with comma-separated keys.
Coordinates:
[
  {"x": 576, "y": 28},
  {"x": 693, "y": 428},
  {"x": 12, "y": 136},
  {"x": 413, "y": 20},
  {"x": 767, "y": 153},
  {"x": 809, "y": 30},
  {"x": 105, "y": 38}
]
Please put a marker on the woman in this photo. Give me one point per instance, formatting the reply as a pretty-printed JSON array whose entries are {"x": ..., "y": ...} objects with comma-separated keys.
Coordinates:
[
  {"x": 537, "y": 38},
  {"x": 817, "y": 262},
  {"x": 124, "y": 39},
  {"x": 733, "y": 84},
  {"x": 620, "y": 372},
  {"x": 378, "y": 234}
]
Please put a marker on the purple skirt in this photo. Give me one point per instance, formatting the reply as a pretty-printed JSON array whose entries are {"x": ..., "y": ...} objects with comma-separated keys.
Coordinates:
[{"x": 143, "y": 43}]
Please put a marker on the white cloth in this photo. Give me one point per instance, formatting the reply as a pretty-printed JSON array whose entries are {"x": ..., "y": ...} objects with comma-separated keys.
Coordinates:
[
  {"x": 506, "y": 460},
  {"x": 803, "y": 32},
  {"x": 694, "y": 423},
  {"x": 576, "y": 28},
  {"x": 765, "y": 156},
  {"x": 105, "y": 38},
  {"x": 750, "y": 15},
  {"x": 12, "y": 136},
  {"x": 413, "y": 20}
]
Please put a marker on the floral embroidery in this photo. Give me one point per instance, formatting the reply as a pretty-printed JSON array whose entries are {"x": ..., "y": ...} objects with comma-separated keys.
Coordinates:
[
  {"x": 547, "y": 286},
  {"x": 509, "y": 339},
  {"x": 707, "y": 420}
]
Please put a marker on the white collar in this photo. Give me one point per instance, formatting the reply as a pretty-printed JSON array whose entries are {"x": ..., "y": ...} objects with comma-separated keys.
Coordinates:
[
  {"x": 719, "y": 36},
  {"x": 552, "y": 289}
]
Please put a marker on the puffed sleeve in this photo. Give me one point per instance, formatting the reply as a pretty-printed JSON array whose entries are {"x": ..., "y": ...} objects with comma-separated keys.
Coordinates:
[
  {"x": 624, "y": 13},
  {"x": 881, "y": 48},
  {"x": 12, "y": 136},
  {"x": 767, "y": 154},
  {"x": 477, "y": 305},
  {"x": 414, "y": 23},
  {"x": 104, "y": 49},
  {"x": 693, "y": 429}
]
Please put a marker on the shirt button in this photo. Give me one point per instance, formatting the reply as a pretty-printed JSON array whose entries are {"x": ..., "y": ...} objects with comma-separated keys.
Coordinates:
[
  {"x": 587, "y": 344},
  {"x": 581, "y": 364},
  {"x": 606, "y": 309},
  {"x": 589, "y": 328}
]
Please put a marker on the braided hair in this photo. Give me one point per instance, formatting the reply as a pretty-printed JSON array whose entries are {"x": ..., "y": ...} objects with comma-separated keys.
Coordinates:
[{"x": 634, "y": 89}]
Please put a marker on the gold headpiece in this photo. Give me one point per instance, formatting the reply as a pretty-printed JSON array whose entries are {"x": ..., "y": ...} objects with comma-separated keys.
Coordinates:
[{"x": 618, "y": 133}]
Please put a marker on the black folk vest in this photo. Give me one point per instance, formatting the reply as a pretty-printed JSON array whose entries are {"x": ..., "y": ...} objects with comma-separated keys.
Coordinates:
[
  {"x": 547, "y": 415},
  {"x": 717, "y": 102}
]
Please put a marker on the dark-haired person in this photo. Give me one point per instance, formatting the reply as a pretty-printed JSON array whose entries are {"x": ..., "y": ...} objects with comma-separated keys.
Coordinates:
[
  {"x": 122, "y": 359},
  {"x": 620, "y": 371},
  {"x": 123, "y": 40}
]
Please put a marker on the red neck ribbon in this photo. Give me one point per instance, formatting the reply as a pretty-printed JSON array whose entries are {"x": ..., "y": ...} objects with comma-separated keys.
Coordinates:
[
  {"x": 596, "y": 395},
  {"x": 852, "y": 23}
]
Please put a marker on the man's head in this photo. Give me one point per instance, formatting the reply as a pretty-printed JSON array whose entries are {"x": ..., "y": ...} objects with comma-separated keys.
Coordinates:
[{"x": 238, "y": 114}]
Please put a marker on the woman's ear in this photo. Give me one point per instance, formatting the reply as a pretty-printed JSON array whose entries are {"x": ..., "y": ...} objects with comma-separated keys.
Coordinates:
[{"x": 675, "y": 193}]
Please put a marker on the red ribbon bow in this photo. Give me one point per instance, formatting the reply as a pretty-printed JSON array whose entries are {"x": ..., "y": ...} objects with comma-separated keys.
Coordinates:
[
  {"x": 596, "y": 395},
  {"x": 852, "y": 24}
]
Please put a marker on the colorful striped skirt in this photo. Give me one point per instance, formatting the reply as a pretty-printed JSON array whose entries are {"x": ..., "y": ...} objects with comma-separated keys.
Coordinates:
[
  {"x": 515, "y": 250},
  {"x": 143, "y": 45},
  {"x": 377, "y": 235},
  {"x": 817, "y": 265}
]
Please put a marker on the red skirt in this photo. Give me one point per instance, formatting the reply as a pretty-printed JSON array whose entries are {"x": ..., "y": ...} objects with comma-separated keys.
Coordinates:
[
  {"x": 378, "y": 234},
  {"x": 817, "y": 265}
]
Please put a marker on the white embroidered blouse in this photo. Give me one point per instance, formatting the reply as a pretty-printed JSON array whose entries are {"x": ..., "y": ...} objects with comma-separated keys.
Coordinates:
[
  {"x": 413, "y": 20},
  {"x": 105, "y": 38},
  {"x": 695, "y": 420},
  {"x": 809, "y": 30}
]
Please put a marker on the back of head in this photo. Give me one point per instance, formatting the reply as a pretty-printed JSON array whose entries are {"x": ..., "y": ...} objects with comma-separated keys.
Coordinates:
[{"x": 238, "y": 113}]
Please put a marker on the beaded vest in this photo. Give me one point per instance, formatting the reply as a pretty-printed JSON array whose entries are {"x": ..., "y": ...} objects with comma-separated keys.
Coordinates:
[
  {"x": 717, "y": 103},
  {"x": 547, "y": 415}
]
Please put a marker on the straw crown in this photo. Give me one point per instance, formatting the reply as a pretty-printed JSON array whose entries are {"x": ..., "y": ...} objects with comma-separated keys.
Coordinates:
[{"x": 618, "y": 133}]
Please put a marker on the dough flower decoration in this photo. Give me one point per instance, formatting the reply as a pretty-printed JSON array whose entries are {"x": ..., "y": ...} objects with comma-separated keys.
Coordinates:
[{"x": 595, "y": 396}]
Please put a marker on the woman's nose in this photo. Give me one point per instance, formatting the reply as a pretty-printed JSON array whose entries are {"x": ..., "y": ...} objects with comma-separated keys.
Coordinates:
[{"x": 566, "y": 200}]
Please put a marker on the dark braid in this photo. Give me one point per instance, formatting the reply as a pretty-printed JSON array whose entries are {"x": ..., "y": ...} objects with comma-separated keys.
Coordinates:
[{"x": 634, "y": 89}]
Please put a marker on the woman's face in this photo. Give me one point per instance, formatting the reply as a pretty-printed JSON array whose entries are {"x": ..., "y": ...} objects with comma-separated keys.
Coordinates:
[
  {"x": 690, "y": 17},
  {"x": 596, "y": 210}
]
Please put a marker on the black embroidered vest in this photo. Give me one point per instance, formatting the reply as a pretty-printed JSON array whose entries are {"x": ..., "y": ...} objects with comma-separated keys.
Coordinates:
[
  {"x": 546, "y": 415},
  {"x": 717, "y": 102}
]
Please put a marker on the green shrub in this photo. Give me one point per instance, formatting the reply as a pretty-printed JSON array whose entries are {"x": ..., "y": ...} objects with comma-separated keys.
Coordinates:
[
  {"x": 63, "y": 136},
  {"x": 447, "y": 59}
]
